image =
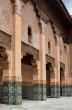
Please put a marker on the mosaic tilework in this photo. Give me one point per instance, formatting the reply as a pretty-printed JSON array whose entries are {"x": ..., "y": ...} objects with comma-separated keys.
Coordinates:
[
  {"x": 55, "y": 91},
  {"x": 66, "y": 90},
  {"x": 1, "y": 93},
  {"x": 63, "y": 91},
  {"x": 39, "y": 92},
  {"x": 5, "y": 93},
  {"x": 12, "y": 93},
  {"x": 18, "y": 93},
  {"x": 69, "y": 88}
]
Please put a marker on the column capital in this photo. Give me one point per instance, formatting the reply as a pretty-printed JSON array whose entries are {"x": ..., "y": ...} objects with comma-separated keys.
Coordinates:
[
  {"x": 34, "y": 65},
  {"x": 57, "y": 39},
  {"x": 17, "y": 6},
  {"x": 52, "y": 68},
  {"x": 42, "y": 26}
]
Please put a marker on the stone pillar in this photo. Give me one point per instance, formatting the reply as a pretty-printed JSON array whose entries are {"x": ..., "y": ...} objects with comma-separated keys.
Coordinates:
[
  {"x": 57, "y": 66},
  {"x": 42, "y": 58},
  {"x": 62, "y": 83},
  {"x": 54, "y": 87},
  {"x": 4, "y": 65},
  {"x": 70, "y": 71},
  {"x": 37, "y": 90},
  {"x": 39, "y": 68},
  {"x": 12, "y": 92},
  {"x": 38, "y": 86}
]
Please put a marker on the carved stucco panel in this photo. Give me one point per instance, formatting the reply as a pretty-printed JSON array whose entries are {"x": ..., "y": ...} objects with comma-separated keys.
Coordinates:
[
  {"x": 29, "y": 18},
  {"x": 6, "y": 11},
  {"x": 36, "y": 40},
  {"x": 0, "y": 13}
]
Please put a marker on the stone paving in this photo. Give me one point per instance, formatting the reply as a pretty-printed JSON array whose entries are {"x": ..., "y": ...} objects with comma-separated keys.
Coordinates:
[{"x": 64, "y": 103}]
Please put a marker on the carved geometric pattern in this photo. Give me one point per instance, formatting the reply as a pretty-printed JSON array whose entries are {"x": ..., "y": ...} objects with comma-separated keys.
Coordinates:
[
  {"x": 6, "y": 16},
  {"x": 12, "y": 93},
  {"x": 55, "y": 91},
  {"x": 39, "y": 92},
  {"x": 18, "y": 90}
]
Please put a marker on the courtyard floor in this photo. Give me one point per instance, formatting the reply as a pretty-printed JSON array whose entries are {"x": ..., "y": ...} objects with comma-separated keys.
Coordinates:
[{"x": 63, "y": 103}]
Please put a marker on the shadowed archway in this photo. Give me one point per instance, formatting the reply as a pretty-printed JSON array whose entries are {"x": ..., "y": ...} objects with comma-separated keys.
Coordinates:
[{"x": 3, "y": 64}]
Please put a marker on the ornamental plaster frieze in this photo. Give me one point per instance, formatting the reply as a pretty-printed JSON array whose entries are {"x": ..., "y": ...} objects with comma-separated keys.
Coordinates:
[
  {"x": 18, "y": 6},
  {"x": 57, "y": 33},
  {"x": 41, "y": 14},
  {"x": 42, "y": 26},
  {"x": 5, "y": 16},
  {"x": 56, "y": 30}
]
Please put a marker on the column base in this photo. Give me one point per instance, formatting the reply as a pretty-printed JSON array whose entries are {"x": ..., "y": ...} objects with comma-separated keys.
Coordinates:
[
  {"x": 1, "y": 93},
  {"x": 69, "y": 90},
  {"x": 66, "y": 90},
  {"x": 55, "y": 91},
  {"x": 39, "y": 92},
  {"x": 12, "y": 93}
]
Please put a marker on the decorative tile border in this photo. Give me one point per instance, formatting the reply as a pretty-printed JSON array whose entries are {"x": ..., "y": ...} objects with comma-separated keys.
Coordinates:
[
  {"x": 12, "y": 93},
  {"x": 39, "y": 92}
]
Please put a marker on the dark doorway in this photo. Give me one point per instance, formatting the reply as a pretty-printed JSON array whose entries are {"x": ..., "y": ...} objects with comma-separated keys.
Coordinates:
[
  {"x": 48, "y": 80},
  {"x": 27, "y": 77},
  {"x": 61, "y": 75},
  {"x": 1, "y": 74}
]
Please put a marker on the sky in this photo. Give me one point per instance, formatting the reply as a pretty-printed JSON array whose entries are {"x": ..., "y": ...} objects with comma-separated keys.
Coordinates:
[{"x": 68, "y": 4}]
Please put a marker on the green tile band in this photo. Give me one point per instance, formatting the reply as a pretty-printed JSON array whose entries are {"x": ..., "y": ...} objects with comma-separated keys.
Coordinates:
[
  {"x": 12, "y": 93},
  {"x": 70, "y": 91},
  {"x": 39, "y": 92},
  {"x": 55, "y": 91},
  {"x": 66, "y": 90}
]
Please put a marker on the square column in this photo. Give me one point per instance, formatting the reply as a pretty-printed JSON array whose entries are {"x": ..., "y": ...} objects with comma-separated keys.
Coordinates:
[
  {"x": 39, "y": 68},
  {"x": 38, "y": 87},
  {"x": 53, "y": 85},
  {"x": 12, "y": 87},
  {"x": 57, "y": 66}
]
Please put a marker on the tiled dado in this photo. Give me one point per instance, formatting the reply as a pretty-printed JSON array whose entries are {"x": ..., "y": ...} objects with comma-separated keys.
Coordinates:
[
  {"x": 12, "y": 93},
  {"x": 69, "y": 90},
  {"x": 39, "y": 92},
  {"x": 1, "y": 93},
  {"x": 55, "y": 91},
  {"x": 66, "y": 90}
]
